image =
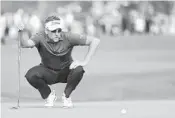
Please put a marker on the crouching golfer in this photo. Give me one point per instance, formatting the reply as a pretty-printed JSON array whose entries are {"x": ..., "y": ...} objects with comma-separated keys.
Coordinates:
[{"x": 57, "y": 66}]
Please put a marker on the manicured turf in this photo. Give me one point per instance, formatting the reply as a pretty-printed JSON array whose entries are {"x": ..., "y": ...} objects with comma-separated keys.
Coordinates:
[
  {"x": 138, "y": 70},
  {"x": 134, "y": 109}
]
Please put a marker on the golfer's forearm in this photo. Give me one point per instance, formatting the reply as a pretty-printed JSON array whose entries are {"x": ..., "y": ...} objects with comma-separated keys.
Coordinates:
[
  {"x": 92, "y": 48},
  {"x": 24, "y": 40},
  {"x": 22, "y": 37}
]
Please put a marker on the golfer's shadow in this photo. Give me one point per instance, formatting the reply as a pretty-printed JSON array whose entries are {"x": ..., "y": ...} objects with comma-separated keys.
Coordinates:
[{"x": 42, "y": 107}]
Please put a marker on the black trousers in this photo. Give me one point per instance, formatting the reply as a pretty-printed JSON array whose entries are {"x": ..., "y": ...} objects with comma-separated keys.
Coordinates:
[{"x": 40, "y": 77}]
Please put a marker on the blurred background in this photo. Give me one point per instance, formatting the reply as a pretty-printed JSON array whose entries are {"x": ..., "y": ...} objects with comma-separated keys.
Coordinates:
[
  {"x": 94, "y": 18},
  {"x": 135, "y": 59}
]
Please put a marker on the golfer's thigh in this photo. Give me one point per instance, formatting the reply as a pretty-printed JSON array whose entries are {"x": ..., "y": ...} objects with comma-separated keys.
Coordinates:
[
  {"x": 62, "y": 75},
  {"x": 41, "y": 72}
]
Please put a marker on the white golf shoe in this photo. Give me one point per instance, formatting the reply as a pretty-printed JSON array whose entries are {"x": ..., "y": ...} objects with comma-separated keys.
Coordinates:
[
  {"x": 51, "y": 99},
  {"x": 67, "y": 102}
]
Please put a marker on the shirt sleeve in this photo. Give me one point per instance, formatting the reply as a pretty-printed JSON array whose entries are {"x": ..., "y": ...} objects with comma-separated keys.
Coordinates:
[
  {"x": 77, "y": 39},
  {"x": 36, "y": 39}
]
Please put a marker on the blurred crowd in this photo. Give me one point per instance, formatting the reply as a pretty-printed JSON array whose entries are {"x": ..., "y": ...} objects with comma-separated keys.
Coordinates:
[
  {"x": 130, "y": 18},
  {"x": 9, "y": 22},
  {"x": 102, "y": 18}
]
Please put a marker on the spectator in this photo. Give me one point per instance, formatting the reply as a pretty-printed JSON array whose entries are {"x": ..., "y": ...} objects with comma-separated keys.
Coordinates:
[
  {"x": 35, "y": 24},
  {"x": 3, "y": 26}
]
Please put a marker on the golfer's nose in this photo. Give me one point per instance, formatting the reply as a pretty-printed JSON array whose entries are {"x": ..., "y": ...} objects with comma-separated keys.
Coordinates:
[{"x": 57, "y": 33}]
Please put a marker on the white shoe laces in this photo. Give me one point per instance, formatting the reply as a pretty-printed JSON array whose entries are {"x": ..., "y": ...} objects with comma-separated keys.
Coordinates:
[
  {"x": 67, "y": 101},
  {"x": 51, "y": 98}
]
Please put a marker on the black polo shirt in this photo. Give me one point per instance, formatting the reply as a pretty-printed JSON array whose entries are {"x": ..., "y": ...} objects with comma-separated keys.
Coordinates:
[{"x": 57, "y": 55}]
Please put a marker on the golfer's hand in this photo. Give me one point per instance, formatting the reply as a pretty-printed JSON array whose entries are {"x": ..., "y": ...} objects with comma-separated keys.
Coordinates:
[
  {"x": 20, "y": 26},
  {"x": 77, "y": 63}
]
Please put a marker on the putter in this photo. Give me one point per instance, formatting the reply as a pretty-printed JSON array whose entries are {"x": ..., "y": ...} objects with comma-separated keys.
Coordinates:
[{"x": 19, "y": 68}]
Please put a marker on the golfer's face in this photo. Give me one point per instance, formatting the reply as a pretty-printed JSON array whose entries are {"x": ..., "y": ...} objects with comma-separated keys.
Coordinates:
[{"x": 55, "y": 34}]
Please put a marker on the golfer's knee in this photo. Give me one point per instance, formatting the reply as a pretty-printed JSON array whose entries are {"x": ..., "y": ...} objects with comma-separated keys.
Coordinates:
[
  {"x": 79, "y": 69},
  {"x": 32, "y": 76}
]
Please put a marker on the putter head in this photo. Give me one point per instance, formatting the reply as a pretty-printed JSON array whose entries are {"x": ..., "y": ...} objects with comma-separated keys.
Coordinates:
[{"x": 17, "y": 107}]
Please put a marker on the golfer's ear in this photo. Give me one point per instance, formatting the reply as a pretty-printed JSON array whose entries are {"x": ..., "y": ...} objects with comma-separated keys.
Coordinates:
[{"x": 46, "y": 31}]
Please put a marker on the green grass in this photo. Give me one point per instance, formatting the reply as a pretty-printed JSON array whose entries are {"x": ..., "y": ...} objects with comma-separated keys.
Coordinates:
[
  {"x": 123, "y": 68},
  {"x": 134, "y": 109}
]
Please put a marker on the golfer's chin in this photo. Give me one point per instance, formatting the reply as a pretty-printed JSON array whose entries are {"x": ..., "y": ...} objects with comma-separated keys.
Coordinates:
[{"x": 55, "y": 39}]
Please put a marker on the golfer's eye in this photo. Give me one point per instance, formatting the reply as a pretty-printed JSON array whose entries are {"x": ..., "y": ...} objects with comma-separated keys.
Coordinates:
[
  {"x": 59, "y": 30},
  {"x": 53, "y": 31}
]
